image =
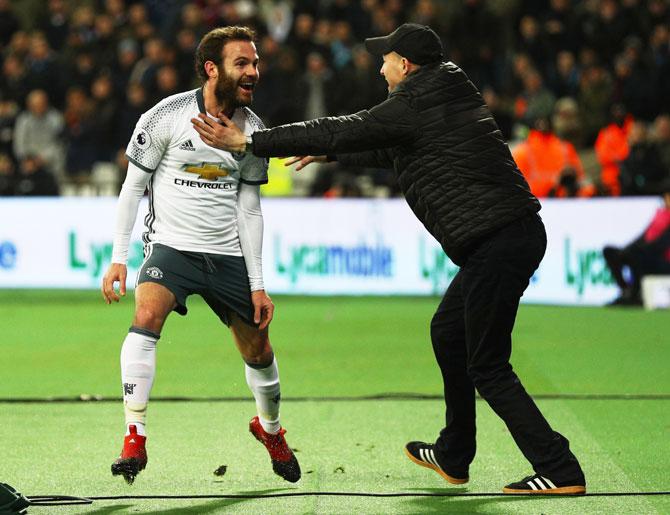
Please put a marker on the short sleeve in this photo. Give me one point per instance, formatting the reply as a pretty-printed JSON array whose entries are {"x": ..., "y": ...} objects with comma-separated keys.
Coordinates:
[
  {"x": 150, "y": 138},
  {"x": 253, "y": 169}
]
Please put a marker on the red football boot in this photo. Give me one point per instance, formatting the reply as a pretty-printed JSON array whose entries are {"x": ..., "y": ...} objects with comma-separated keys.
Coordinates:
[
  {"x": 133, "y": 456},
  {"x": 284, "y": 462}
]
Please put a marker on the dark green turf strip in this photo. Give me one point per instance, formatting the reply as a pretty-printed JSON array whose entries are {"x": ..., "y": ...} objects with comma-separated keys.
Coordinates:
[{"x": 66, "y": 345}]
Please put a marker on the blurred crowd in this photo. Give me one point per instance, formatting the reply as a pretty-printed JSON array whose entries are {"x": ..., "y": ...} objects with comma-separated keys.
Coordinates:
[{"x": 579, "y": 88}]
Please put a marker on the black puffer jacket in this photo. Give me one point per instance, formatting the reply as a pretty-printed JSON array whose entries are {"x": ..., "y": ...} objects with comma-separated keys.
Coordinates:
[{"x": 452, "y": 163}]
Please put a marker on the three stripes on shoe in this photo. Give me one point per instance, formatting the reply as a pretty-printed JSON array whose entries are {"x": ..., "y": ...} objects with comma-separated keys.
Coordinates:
[
  {"x": 428, "y": 456},
  {"x": 540, "y": 483}
]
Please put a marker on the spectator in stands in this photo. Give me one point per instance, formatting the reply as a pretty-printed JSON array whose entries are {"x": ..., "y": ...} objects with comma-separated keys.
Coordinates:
[
  {"x": 610, "y": 27},
  {"x": 566, "y": 121},
  {"x": 106, "y": 109},
  {"x": 39, "y": 131},
  {"x": 550, "y": 165},
  {"x": 300, "y": 39},
  {"x": 55, "y": 23},
  {"x": 105, "y": 41},
  {"x": 146, "y": 68},
  {"x": 501, "y": 109},
  {"x": 564, "y": 75},
  {"x": 80, "y": 134},
  {"x": 317, "y": 88},
  {"x": 135, "y": 104},
  {"x": 9, "y": 110},
  {"x": 7, "y": 177},
  {"x": 127, "y": 55},
  {"x": 83, "y": 70},
  {"x": 9, "y": 23},
  {"x": 633, "y": 84},
  {"x": 647, "y": 254},
  {"x": 167, "y": 83},
  {"x": 474, "y": 40},
  {"x": 43, "y": 70},
  {"x": 659, "y": 54},
  {"x": 559, "y": 27},
  {"x": 19, "y": 45},
  {"x": 360, "y": 84},
  {"x": 661, "y": 138},
  {"x": 595, "y": 91},
  {"x": 34, "y": 179},
  {"x": 532, "y": 41},
  {"x": 280, "y": 80},
  {"x": 535, "y": 101},
  {"x": 187, "y": 42},
  {"x": 13, "y": 80},
  {"x": 612, "y": 148},
  {"x": 642, "y": 171}
]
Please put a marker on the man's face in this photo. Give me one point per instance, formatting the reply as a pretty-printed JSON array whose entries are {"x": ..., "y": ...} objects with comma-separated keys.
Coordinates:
[
  {"x": 238, "y": 74},
  {"x": 393, "y": 70}
]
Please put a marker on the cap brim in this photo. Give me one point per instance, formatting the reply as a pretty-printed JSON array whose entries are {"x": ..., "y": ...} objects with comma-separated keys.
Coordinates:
[{"x": 377, "y": 46}]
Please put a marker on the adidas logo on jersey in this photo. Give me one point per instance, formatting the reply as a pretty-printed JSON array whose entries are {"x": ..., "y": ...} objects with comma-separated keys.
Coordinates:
[{"x": 187, "y": 145}]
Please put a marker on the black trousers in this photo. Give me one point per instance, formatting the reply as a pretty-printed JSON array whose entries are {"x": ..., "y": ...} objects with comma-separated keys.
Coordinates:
[
  {"x": 640, "y": 260},
  {"x": 471, "y": 335}
]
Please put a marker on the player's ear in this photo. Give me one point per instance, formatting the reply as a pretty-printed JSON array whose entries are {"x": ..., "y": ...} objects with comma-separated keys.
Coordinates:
[{"x": 211, "y": 69}]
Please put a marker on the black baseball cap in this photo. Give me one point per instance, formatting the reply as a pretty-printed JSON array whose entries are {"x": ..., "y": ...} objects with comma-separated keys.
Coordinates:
[{"x": 417, "y": 43}]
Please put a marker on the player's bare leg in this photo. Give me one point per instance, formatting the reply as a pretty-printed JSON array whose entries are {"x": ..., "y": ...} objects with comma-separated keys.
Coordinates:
[
  {"x": 263, "y": 379},
  {"x": 153, "y": 303}
]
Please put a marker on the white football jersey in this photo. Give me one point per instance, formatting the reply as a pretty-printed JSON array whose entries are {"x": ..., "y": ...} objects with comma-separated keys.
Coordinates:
[{"x": 193, "y": 188}]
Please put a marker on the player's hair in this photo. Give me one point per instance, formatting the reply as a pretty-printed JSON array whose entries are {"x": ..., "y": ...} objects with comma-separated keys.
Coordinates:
[{"x": 212, "y": 44}]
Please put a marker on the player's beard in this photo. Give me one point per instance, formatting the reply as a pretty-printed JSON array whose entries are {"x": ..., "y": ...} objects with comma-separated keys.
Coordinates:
[{"x": 226, "y": 92}]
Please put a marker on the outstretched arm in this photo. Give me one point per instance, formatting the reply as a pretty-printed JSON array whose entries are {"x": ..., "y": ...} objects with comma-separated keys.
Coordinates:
[
  {"x": 386, "y": 125},
  {"x": 382, "y": 158}
]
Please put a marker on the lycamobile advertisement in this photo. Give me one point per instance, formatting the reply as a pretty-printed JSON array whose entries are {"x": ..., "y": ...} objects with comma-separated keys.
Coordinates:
[{"x": 322, "y": 247}]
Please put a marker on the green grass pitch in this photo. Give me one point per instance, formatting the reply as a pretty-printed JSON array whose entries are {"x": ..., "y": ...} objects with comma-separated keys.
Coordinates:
[{"x": 64, "y": 344}]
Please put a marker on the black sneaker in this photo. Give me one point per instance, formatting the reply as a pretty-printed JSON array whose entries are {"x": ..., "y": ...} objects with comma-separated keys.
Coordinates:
[
  {"x": 538, "y": 484},
  {"x": 423, "y": 454}
]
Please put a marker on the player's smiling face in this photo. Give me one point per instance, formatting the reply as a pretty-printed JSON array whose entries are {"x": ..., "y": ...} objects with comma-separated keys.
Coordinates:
[{"x": 238, "y": 75}]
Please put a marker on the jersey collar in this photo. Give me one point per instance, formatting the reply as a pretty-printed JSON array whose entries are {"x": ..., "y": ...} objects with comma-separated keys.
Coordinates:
[{"x": 200, "y": 97}]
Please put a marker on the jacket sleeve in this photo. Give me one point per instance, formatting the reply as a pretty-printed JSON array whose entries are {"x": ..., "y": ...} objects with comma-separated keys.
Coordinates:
[
  {"x": 382, "y": 158},
  {"x": 386, "y": 125}
]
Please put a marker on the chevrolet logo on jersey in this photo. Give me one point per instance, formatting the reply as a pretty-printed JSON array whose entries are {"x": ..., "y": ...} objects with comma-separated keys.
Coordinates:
[{"x": 208, "y": 171}]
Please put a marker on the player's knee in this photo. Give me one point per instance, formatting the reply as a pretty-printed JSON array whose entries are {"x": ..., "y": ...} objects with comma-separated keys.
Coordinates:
[
  {"x": 150, "y": 318},
  {"x": 259, "y": 357}
]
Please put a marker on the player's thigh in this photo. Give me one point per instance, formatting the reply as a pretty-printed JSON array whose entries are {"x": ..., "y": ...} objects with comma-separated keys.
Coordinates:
[
  {"x": 178, "y": 272},
  {"x": 253, "y": 343},
  {"x": 153, "y": 303}
]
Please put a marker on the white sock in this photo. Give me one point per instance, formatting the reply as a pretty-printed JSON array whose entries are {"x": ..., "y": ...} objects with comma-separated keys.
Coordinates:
[
  {"x": 139, "y": 426},
  {"x": 264, "y": 384},
  {"x": 138, "y": 367}
]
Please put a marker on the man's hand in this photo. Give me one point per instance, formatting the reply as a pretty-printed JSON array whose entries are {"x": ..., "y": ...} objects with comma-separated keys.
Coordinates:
[
  {"x": 304, "y": 161},
  {"x": 115, "y": 273},
  {"x": 263, "y": 308},
  {"x": 225, "y": 135}
]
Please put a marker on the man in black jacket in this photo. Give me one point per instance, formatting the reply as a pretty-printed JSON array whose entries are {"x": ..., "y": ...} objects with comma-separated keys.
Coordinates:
[{"x": 460, "y": 180}]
